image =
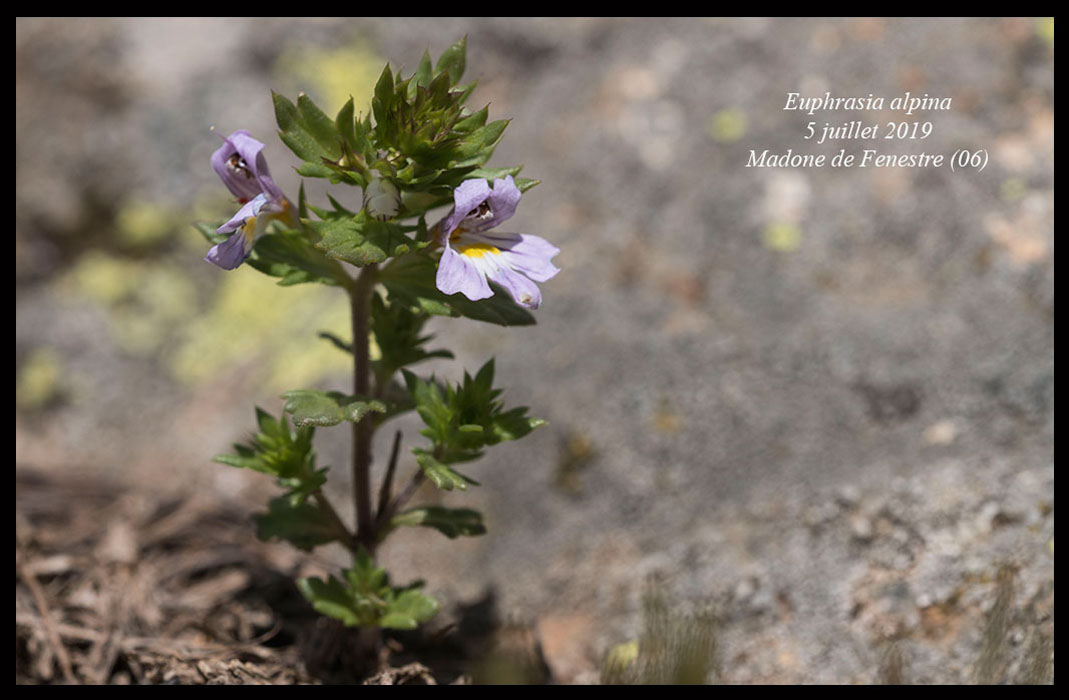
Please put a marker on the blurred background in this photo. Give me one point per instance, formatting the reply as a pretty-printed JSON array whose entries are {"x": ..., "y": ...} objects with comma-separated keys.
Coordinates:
[{"x": 819, "y": 400}]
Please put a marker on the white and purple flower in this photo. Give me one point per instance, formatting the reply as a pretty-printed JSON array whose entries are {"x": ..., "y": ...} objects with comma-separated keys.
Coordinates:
[
  {"x": 241, "y": 166},
  {"x": 472, "y": 257}
]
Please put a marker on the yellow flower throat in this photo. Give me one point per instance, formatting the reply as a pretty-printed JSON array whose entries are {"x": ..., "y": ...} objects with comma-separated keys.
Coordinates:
[{"x": 477, "y": 250}]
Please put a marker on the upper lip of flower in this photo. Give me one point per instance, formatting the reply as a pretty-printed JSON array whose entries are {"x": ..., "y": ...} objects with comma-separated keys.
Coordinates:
[
  {"x": 241, "y": 166},
  {"x": 477, "y": 207},
  {"x": 513, "y": 260}
]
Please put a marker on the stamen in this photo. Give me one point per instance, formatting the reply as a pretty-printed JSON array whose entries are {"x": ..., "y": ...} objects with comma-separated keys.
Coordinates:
[{"x": 481, "y": 211}]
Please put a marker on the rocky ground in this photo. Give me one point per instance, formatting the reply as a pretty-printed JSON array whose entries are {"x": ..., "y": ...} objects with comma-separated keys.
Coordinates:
[{"x": 819, "y": 402}]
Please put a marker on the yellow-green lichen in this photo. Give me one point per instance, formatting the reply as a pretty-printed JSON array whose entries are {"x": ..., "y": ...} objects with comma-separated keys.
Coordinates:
[
  {"x": 254, "y": 324},
  {"x": 38, "y": 380},
  {"x": 143, "y": 224},
  {"x": 782, "y": 237},
  {"x": 727, "y": 125},
  {"x": 332, "y": 75},
  {"x": 1045, "y": 29},
  {"x": 146, "y": 302}
]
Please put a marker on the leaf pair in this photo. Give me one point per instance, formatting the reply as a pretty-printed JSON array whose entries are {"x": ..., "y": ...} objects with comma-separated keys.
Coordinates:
[
  {"x": 365, "y": 598},
  {"x": 461, "y": 420},
  {"x": 280, "y": 452}
]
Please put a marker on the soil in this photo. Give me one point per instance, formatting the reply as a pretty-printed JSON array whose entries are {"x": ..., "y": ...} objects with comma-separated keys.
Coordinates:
[{"x": 115, "y": 586}]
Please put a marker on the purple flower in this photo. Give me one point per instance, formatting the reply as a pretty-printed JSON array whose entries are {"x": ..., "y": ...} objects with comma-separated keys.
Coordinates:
[
  {"x": 473, "y": 257},
  {"x": 240, "y": 164}
]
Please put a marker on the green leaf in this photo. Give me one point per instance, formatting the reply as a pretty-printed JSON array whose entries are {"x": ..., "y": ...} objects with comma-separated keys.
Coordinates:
[
  {"x": 320, "y": 170},
  {"x": 280, "y": 452},
  {"x": 437, "y": 99},
  {"x": 491, "y": 174},
  {"x": 409, "y": 609},
  {"x": 346, "y": 125},
  {"x": 319, "y": 126},
  {"x": 302, "y": 525},
  {"x": 441, "y": 475},
  {"x": 304, "y": 146},
  {"x": 338, "y": 208},
  {"x": 452, "y": 61},
  {"x": 285, "y": 112},
  {"x": 365, "y": 598},
  {"x": 302, "y": 203},
  {"x": 333, "y": 599},
  {"x": 462, "y": 92},
  {"x": 461, "y": 420},
  {"x": 430, "y": 402},
  {"x": 473, "y": 122},
  {"x": 240, "y": 462},
  {"x": 312, "y": 135},
  {"x": 422, "y": 76},
  {"x": 326, "y": 408},
  {"x": 383, "y": 99},
  {"x": 267, "y": 423},
  {"x": 484, "y": 378},
  {"x": 525, "y": 183},
  {"x": 479, "y": 144},
  {"x": 397, "y": 332},
  {"x": 514, "y": 424},
  {"x": 364, "y": 576},
  {"x": 288, "y": 254},
  {"x": 451, "y": 522},
  {"x": 398, "y": 621},
  {"x": 360, "y": 240},
  {"x": 416, "y": 203},
  {"x": 336, "y": 341}
]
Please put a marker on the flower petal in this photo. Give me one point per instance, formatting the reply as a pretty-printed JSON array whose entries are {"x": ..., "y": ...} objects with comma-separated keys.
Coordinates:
[
  {"x": 456, "y": 273},
  {"x": 230, "y": 253},
  {"x": 523, "y": 291},
  {"x": 241, "y": 166},
  {"x": 503, "y": 200},
  {"x": 250, "y": 209},
  {"x": 529, "y": 254},
  {"x": 467, "y": 196},
  {"x": 234, "y": 163}
]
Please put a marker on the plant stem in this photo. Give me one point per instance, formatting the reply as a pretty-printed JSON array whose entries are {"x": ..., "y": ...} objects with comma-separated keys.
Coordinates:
[
  {"x": 409, "y": 490},
  {"x": 387, "y": 483},
  {"x": 332, "y": 515},
  {"x": 360, "y": 302},
  {"x": 402, "y": 498}
]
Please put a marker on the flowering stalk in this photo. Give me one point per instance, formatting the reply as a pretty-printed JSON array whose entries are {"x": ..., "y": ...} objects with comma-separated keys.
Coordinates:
[{"x": 418, "y": 149}]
